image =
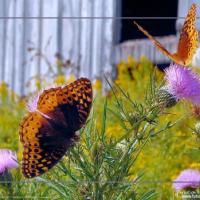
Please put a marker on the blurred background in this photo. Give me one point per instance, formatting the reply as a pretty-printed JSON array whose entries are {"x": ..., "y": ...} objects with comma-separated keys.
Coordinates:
[{"x": 45, "y": 38}]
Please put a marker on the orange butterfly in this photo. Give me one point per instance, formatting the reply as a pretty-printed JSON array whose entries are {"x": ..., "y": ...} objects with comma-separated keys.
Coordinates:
[
  {"x": 48, "y": 131},
  {"x": 188, "y": 41}
]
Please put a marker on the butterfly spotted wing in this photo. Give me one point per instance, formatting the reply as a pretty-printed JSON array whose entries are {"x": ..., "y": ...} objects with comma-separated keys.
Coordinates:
[
  {"x": 41, "y": 150},
  {"x": 47, "y": 133},
  {"x": 188, "y": 41}
]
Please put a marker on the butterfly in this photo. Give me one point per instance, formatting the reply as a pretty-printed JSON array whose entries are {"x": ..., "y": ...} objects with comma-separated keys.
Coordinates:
[
  {"x": 49, "y": 131},
  {"x": 188, "y": 42}
]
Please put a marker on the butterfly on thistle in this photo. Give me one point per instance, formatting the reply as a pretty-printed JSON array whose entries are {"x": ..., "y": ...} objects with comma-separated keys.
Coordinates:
[
  {"x": 48, "y": 130},
  {"x": 188, "y": 41}
]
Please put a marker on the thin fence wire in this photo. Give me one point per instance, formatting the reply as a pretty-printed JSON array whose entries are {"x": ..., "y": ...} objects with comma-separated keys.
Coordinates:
[
  {"x": 102, "y": 182},
  {"x": 24, "y": 197},
  {"x": 115, "y": 18}
]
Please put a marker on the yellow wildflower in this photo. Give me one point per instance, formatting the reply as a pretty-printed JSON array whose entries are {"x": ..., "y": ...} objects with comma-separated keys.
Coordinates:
[
  {"x": 60, "y": 80},
  {"x": 97, "y": 85},
  {"x": 70, "y": 78},
  {"x": 195, "y": 165}
]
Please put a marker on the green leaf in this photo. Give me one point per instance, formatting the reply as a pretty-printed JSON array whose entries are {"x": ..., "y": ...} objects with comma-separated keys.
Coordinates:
[{"x": 148, "y": 195}]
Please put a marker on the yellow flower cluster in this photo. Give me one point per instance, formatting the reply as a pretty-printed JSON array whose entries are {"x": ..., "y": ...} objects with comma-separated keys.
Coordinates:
[
  {"x": 97, "y": 85},
  {"x": 133, "y": 75}
]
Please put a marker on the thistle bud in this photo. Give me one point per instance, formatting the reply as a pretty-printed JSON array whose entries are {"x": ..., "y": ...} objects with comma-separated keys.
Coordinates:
[{"x": 165, "y": 99}]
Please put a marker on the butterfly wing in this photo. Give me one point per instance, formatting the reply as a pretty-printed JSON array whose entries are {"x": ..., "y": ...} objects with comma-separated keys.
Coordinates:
[
  {"x": 75, "y": 101},
  {"x": 47, "y": 133},
  {"x": 47, "y": 101},
  {"x": 70, "y": 104},
  {"x": 42, "y": 149},
  {"x": 188, "y": 41},
  {"x": 158, "y": 45}
]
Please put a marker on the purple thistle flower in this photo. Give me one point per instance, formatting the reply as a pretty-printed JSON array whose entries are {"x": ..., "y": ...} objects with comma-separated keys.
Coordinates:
[
  {"x": 188, "y": 179},
  {"x": 183, "y": 83},
  {"x": 32, "y": 103},
  {"x": 8, "y": 160}
]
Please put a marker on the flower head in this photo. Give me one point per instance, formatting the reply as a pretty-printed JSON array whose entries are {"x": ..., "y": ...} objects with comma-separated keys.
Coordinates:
[
  {"x": 183, "y": 83},
  {"x": 189, "y": 178},
  {"x": 8, "y": 160},
  {"x": 32, "y": 103},
  {"x": 165, "y": 98}
]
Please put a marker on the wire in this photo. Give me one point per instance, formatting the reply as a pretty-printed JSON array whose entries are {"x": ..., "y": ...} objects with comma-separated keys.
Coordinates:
[
  {"x": 108, "y": 182},
  {"x": 114, "y": 18}
]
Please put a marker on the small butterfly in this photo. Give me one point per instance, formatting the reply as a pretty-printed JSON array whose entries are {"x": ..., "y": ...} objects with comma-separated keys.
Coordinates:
[
  {"x": 188, "y": 42},
  {"x": 49, "y": 131}
]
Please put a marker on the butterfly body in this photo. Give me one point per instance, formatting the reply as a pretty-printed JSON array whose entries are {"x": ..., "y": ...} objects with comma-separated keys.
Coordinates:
[
  {"x": 188, "y": 42},
  {"x": 49, "y": 131}
]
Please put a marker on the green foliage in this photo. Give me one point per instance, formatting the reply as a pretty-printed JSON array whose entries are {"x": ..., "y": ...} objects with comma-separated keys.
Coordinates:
[
  {"x": 131, "y": 147},
  {"x": 11, "y": 111},
  {"x": 100, "y": 168}
]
